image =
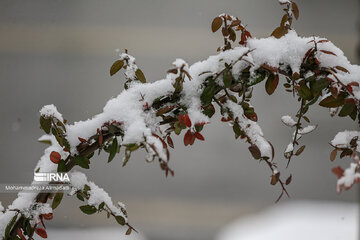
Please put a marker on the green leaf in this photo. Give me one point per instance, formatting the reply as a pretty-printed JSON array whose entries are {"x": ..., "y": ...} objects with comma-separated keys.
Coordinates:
[
  {"x": 233, "y": 98},
  {"x": 126, "y": 157},
  {"x": 82, "y": 162},
  {"x": 331, "y": 102},
  {"x": 347, "y": 109},
  {"x": 9, "y": 226},
  {"x": 237, "y": 130},
  {"x": 45, "y": 124},
  {"x": 353, "y": 114},
  {"x": 101, "y": 206},
  {"x": 305, "y": 93},
  {"x": 140, "y": 76},
  {"x": 209, "y": 110},
  {"x": 258, "y": 78},
  {"x": 80, "y": 197},
  {"x": 208, "y": 93},
  {"x": 120, "y": 220},
  {"x": 113, "y": 149},
  {"x": 117, "y": 65},
  {"x": 271, "y": 83},
  {"x": 57, "y": 199},
  {"x": 319, "y": 85},
  {"x": 61, "y": 166},
  {"x": 87, "y": 209},
  {"x": 227, "y": 78}
]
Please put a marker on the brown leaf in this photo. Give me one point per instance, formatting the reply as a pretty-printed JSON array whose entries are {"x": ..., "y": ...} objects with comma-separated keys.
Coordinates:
[
  {"x": 333, "y": 154},
  {"x": 216, "y": 24},
  {"x": 295, "y": 10},
  {"x": 275, "y": 178},
  {"x": 328, "y": 52},
  {"x": 283, "y": 20},
  {"x": 279, "y": 32},
  {"x": 341, "y": 69},
  {"x": 288, "y": 180},
  {"x": 300, "y": 150},
  {"x": 255, "y": 151},
  {"x": 271, "y": 83}
]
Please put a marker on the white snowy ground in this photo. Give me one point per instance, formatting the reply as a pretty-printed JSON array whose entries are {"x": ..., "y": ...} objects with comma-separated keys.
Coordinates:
[
  {"x": 298, "y": 221},
  {"x": 91, "y": 234}
]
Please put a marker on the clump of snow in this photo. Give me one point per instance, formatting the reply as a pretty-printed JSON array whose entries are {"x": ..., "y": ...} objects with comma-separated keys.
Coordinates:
[
  {"x": 349, "y": 178},
  {"x": 51, "y": 111},
  {"x": 131, "y": 66},
  {"x": 287, "y": 120},
  {"x": 343, "y": 139},
  {"x": 289, "y": 148},
  {"x": 97, "y": 195},
  {"x": 252, "y": 130},
  {"x": 307, "y": 129}
]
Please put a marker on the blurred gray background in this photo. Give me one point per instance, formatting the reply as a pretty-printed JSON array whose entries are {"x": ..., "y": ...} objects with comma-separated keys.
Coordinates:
[{"x": 60, "y": 52}]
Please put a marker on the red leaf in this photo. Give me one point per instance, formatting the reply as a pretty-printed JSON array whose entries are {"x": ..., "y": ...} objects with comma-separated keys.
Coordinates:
[
  {"x": 48, "y": 216},
  {"x": 328, "y": 52},
  {"x": 82, "y": 140},
  {"x": 322, "y": 41},
  {"x": 55, "y": 157},
  {"x": 350, "y": 101},
  {"x": 223, "y": 119},
  {"x": 187, "y": 120},
  {"x": 184, "y": 120},
  {"x": 330, "y": 80},
  {"x": 101, "y": 139},
  {"x": 189, "y": 138},
  {"x": 307, "y": 54},
  {"x": 170, "y": 141},
  {"x": 338, "y": 171},
  {"x": 317, "y": 61},
  {"x": 41, "y": 232},
  {"x": 200, "y": 124},
  {"x": 247, "y": 34},
  {"x": 349, "y": 88},
  {"x": 20, "y": 234},
  {"x": 252, "y": 117},
  {"x": 199, "y": 136}
]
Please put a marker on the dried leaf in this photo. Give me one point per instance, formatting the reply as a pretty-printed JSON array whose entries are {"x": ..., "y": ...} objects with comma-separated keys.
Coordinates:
[
  {"x": 333, "y": 154},
  {"x": 216, "y": 24},
  {"x": 295, "y": 10}
]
